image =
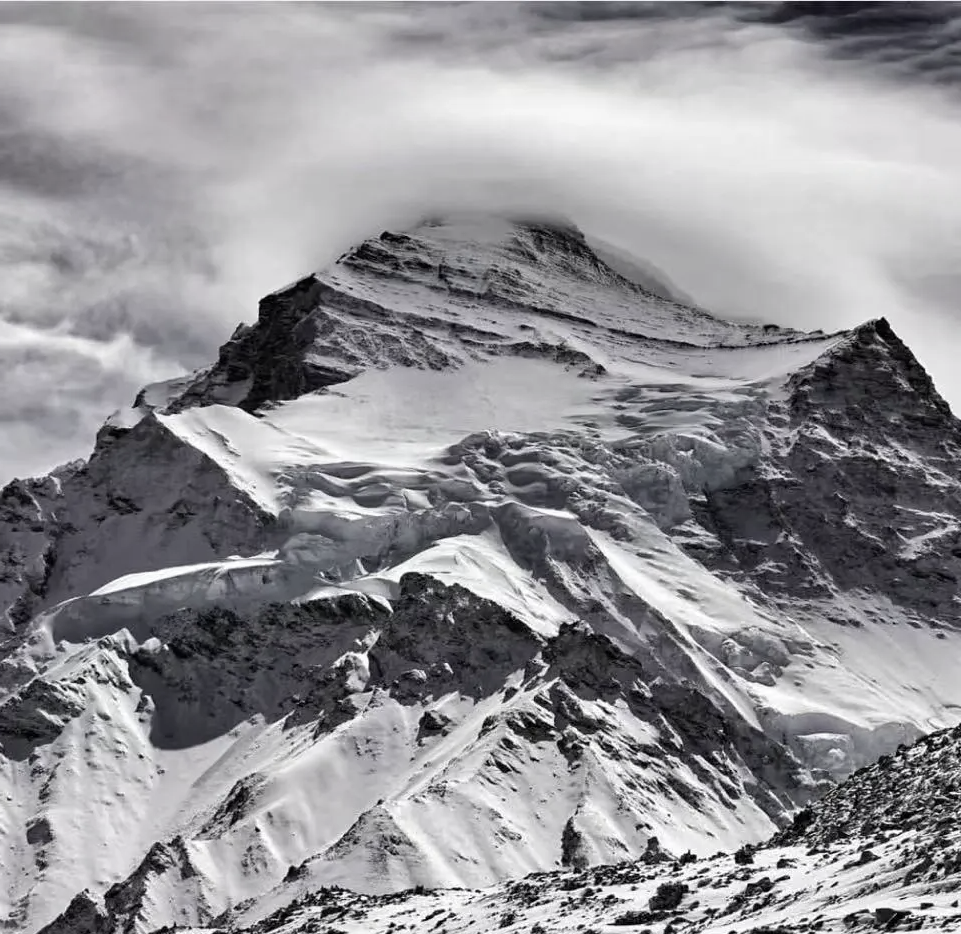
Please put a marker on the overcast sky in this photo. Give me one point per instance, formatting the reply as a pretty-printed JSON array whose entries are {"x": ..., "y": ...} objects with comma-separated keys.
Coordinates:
[{"x": 161, "y": 167}]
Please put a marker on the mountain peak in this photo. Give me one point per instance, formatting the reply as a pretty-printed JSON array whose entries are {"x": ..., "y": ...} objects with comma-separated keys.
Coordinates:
[
  {"x": 871, "y": 376},
  {"x": 444, "y": 293},
  {"x": 474, "y": 531}
]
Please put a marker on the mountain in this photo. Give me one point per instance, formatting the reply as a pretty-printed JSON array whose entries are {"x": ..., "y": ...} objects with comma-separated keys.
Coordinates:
[
  {"x": 471, "y": 557},
  {"x": 880, "y": 852}
]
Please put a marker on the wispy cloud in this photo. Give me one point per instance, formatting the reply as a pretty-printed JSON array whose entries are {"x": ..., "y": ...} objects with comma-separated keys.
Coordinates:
[{"x": 169, "y": 164}]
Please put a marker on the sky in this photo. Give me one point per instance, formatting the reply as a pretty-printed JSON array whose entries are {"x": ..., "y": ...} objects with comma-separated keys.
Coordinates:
[{"x": 164, "y": 166}]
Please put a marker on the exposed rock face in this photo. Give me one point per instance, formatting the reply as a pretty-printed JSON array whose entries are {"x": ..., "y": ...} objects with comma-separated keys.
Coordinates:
[
  {"x": 29, "y": 545},
  {"x": 862, "y": 491},
  {"x": 468, "y": 531},
  {"x": 126, "y": 907},
  {"x": 144, "y": 500},
  {"x": 276, "y": 359}
]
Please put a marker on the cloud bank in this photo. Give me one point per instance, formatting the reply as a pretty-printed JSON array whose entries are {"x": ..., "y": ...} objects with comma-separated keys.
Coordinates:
[{"x": 168, "y": 165}]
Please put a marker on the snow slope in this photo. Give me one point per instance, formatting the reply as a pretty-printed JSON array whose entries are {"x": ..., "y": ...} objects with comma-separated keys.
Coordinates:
[
  {"x": 468, "y": 531},
  {"x": 882, "y": 852}
]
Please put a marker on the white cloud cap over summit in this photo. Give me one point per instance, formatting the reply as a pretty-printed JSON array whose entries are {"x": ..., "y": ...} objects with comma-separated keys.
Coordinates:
[{"x": 167, "y": 166}]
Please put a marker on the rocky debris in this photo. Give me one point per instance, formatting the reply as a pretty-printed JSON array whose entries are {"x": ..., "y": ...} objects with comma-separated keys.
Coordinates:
[
  {"x": 432, "y": 722},
  {"x": 39, "y": 832},
  {"x": 744, "y": 855},
  {"x": 889, "y": 918},
  {"x": 916, "y": 788},
  {"x": 668, "y": 896},
  {"x": 653, "y": 854}
]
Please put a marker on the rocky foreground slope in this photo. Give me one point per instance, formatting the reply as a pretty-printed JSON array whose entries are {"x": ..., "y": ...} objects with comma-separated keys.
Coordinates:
[{"x": 470, "y": 558}]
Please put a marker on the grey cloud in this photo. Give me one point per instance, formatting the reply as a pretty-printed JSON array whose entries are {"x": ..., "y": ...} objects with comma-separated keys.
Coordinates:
[{"x": 169, "y": 164}]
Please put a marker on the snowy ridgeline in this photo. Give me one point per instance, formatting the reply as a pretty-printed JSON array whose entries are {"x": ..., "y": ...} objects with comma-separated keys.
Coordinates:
[
  {"x": 471, "y": 558},
  {"x": 881, "y": 852}
]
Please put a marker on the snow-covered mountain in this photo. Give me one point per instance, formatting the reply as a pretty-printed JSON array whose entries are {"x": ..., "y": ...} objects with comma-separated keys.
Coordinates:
[
  {"x": 472, "y": 557},
  {"x": 881, "y": 852}
]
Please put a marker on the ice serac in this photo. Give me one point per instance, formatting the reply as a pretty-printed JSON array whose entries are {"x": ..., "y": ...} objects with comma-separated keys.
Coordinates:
[{"x": 468, "y": 531}]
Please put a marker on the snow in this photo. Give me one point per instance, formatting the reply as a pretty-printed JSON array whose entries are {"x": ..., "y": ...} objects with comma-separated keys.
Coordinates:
[
  {"x": 227, "y": 656},
  {"x": 145, "y": 579},
  {"x": 879, "y": 852},
  {"x": 398, "y": 417},
  {"x": 479, "y": 563}
]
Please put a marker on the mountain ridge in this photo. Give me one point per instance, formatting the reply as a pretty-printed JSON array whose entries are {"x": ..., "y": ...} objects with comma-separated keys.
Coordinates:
[
  {"x": 880, "y": 852},
  {"x": 468, "y": 529}
]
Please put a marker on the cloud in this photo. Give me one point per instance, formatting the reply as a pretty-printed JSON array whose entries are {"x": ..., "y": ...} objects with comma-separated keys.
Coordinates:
[{"x": 167, "y": 166}]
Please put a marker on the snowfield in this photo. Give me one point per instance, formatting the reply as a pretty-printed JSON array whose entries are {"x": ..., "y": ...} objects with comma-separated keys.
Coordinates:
[{"x": 474, "y": 558}]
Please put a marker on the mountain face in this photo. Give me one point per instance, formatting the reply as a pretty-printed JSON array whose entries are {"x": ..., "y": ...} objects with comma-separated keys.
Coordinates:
[
  {"x": 471, "y": 558},
  {"x": 882, "y": 852}
]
